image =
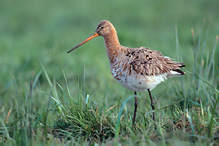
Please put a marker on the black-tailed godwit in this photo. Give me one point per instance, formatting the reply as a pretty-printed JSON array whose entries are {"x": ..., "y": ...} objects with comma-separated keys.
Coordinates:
[{"x": 137, "y": 69}]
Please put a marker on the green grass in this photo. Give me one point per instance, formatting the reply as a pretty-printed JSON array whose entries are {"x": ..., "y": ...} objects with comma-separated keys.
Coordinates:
[{"x": 51, "y": 97}]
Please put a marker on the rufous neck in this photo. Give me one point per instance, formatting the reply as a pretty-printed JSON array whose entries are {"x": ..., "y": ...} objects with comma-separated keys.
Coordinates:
[
  {"x": 112, "y": 43},
  {"x": 112, "y": 47}
]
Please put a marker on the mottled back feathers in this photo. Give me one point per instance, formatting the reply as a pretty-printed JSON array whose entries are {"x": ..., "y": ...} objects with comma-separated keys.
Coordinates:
[{"x": 148, "y": 62}]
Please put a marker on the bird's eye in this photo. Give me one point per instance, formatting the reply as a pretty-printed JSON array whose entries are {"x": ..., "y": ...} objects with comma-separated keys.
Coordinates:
[{"x": 101, "y": 27}]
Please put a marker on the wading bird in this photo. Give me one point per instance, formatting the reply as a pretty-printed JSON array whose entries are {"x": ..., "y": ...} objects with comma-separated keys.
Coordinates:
[{"x": 137, "y": 69}]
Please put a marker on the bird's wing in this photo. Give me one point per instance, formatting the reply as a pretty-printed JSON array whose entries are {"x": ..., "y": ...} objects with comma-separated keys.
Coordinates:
[{"x": 149, "y": 62}]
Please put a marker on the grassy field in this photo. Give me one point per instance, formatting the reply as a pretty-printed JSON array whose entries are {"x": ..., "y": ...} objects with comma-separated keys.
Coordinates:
[{"x": 50, "y": 97}]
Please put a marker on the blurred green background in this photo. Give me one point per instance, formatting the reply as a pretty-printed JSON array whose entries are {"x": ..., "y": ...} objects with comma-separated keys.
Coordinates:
[
  {"x": 36, "y": 33},
  {"x": 43, "y": 31}
]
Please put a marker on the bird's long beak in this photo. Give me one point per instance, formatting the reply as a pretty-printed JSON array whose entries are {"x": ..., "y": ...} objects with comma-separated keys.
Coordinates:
[{"x": 95, "y": 34}]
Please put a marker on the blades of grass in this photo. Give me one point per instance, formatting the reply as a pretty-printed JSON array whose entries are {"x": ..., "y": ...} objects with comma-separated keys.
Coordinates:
[
  {"x": 53, "y": 89},
  {"x": 194, "y": 67},
  {"x": 178, "y": 50},
  {"x": 30, "y": 95},
  {"x": 111, "y": 108},
  {"x": 47, "y": 76},
  {"x": 7, "y": 116},
  {"x": 195, "y": 51},
  {"x": 206, "y": 92},
  {"x": 84, "y": 81},
  {"x": 166, "y": 106},
  {"x": 60, "y": 106},
  {"x": 6, "y": 87},
  {"x": 6, "y": 131},
  {"x": 211, "y": 124},
  {"x": 202, "y": 110},
  {"x": 207, "y": 62},
  {"x": 18, "y": 107},
  {"x": 28, "y": 111},
  {"x": 45, "y": 118},
  {"x": 212, "y": 56},
  {"x": 16, "y": 90},
  {"x": 37, "y": 120},
  {"x": 198, "y": 136},
  {"x": 213, "y": 70},
  {"x": 190, "y": 121},
  {"x": 196, "y": 103},
  {"x": 79, "y": 115},
  {"x": 64, "y": 94},
  {"x": 50, "y": 83},
  {"x": 160, "y": 129},
  {"x": 69, "y": 93},
  {"x": 202, "y": 56},
  {"x": 26, "y": 101},
  {"x": 36, "y": 79},
  {"x": 70, "y": 99},
  {"x": 205, "y": 82},
  {"x": 79, "y": 89},
  {"x": 120, "y": 114}
]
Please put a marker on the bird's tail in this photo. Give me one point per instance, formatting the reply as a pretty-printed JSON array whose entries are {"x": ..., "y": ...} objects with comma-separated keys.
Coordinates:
[{"x": 177, "y": 72}]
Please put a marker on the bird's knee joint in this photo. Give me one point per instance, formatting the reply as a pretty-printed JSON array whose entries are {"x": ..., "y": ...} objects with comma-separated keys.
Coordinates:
[
  {"x": 136, "y": 103},
  {"x": 152, "y": 105}
]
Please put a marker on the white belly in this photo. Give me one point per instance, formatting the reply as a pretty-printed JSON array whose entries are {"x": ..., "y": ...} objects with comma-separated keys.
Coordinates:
[
  {"x": 141, "y": 83},
  {"x": 136, "y": 82}
]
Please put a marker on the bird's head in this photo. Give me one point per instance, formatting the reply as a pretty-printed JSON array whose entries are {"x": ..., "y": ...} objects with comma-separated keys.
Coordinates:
[{"x": 104, "y": 28}]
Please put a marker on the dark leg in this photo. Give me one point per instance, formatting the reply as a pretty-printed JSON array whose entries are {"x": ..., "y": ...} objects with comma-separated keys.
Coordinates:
[
  {"x": 135, "y": 110},
  {"x": 152, "y": 104}
]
